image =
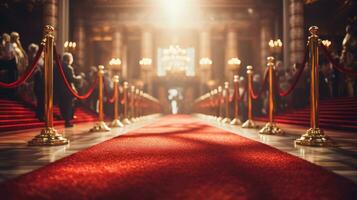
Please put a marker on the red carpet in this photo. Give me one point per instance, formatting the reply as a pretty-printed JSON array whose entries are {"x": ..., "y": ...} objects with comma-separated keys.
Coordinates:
[
  {"x": 339, "y": 114},
  {"x": 180, "y": 158},
  {"x": 17, "y": 115}
]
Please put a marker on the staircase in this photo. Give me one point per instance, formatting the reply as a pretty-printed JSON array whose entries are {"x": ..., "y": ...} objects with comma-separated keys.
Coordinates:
[
  {"x": 338, "y": 113},
  {"x": 16, "y": 115}
]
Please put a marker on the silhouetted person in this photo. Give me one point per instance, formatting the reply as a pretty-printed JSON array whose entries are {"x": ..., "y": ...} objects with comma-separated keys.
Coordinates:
[
  {"x": 8, "y": 63},
  {"x": 65, "y": 98},
  {"x": 38, "y": 86}
]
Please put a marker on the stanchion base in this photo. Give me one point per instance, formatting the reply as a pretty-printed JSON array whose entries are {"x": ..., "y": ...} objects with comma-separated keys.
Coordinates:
[
  {"x": 116, "y": 123},
  {"x": 219, "y": 119},
  {"x": 100, "y": 127},
  {"x": 249, "y": 124},
  {"x": 236, "y": 121},
  {"x": 271, "y": 129},
  {"x": 314, "y": 137},
  {"x": 48, "y": 137},
  {"x": 126, "y": 121},
  {"x": 226, "y": 120}
]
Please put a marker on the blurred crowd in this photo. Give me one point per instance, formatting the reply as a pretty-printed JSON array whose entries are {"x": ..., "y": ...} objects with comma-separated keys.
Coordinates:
[{"x": 14, "y": 61}]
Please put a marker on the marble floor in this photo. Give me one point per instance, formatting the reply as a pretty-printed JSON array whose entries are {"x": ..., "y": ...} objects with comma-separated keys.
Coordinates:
[
  {"x": 17, "y": 158},
  {"x": 340, "y": 159}
]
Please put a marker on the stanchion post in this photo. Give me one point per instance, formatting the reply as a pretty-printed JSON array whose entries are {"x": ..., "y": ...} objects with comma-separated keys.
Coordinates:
[
  {"x": 271, "y": 128},
  {"x": 116, "y": 121},
  {"x": 219, "y": 103},
  {"x": 132, "y": 104},
  {"x": 49, "y": 135},
  {"x": 126, "y": 120},
  {"x": 141, "y": 94},
  {"x": 100, "y": 126},
  {"x": 137, "y": 102},
  {"x": 314, "y": 136},
  {"x": 249, "y": 123},
  {"x": 211, "y": 103},
  {"x": 236, "y": 120},
  {"x": 226, "y": 101}
]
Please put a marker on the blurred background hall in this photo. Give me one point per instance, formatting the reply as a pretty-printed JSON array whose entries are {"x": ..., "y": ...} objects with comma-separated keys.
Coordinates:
[{"x": 156, "y": 88}]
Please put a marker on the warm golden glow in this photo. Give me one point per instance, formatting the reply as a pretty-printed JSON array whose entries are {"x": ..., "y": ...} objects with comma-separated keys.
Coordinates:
[
  {"x": 326, "y": 43},
  {"x": 176, "y": 12},
  {"x": 145, "y": 61},
  {"x": 205, "y": 61},
  {"x": 115, "y": 61},
  {"x": 234, "y": 61}
]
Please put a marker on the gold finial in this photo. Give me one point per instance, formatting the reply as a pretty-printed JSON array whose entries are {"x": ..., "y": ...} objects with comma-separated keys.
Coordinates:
[
  {"x": 116, "y": 78},
  {"x": 137, "y": 91},
  {"x": 313, "y": 30},
  {"x": 132, "y": 88},
  {"x": 236, "y": 78},
  {"x": 126, "y": 85},
  {"x": 226, "y": 85},
  {"x": 101, "y": 69},
  {"x": 270, "y": 59},
  {"x": 219, "y": 88},
  {"x": 141, "y": 93},
  {"x": 48, "y": 30},
  {"x": 249, "y": 69},
  {"x": 215, "y": 91}
]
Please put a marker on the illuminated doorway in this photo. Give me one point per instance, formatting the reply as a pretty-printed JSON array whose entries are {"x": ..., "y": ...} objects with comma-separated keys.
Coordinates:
[{"x": 175, "y": 99}]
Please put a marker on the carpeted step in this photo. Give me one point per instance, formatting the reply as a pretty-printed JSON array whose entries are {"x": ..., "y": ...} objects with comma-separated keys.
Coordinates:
[{"x": 17, "y": 115}]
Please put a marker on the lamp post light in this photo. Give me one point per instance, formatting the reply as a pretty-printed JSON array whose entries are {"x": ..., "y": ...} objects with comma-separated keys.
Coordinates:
[
  {"x": 115, "y": 65},
  {"x": 205, "y": 67},
  {"x": 69, "y": 46},
  {"x": 145, "y": 64},
  {"x": 326, "y": 43},
  {"x": 234, "y": 65},
  {"x": 276, "y": 47}
]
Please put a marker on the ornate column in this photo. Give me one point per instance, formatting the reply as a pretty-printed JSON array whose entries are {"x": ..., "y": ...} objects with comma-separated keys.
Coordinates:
[
  {"x": 296, "y": 23},
  {"x": 117, "y": 48},
  {"x": 231, "y": 49},
  {"x": 50, "y": 14},
  {"x": 205, "y": 71},
  {"x": 80, "y": 39},
  {"x": 63, "y": 24},
  {"x": 147, "y": 52},
  {"x": 265, "y": 36}
]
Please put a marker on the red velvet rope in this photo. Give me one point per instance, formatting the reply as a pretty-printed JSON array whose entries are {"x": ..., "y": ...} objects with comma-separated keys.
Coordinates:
[
  {"x": 27, "y": 74},
  {"x": 253, "y": 94},
  {"x": 296, "y": 78},
  {"x": 69, "y": 87},
  {"x": 110, "y": 99},
  {"x": 337, "y": 65}
]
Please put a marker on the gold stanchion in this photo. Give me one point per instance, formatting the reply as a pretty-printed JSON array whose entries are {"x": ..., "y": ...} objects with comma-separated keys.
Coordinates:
[
  {"x": 126, "y": 120},
  {"x": 100, "y": 126},
  {"x": 136, "y": 103},
  {"x": 211, "y": 107},
  {"x": 116, "y": 122},
  {"x": 219, "y": 103},
  {"x": 214, "y": 106},
  {"x": 49, "y": 135},
  {"x": 249, "y": 123},
  {"x": 141, "y": 96},
  {"x": 132, "y": 104},
  {"x": 314, "y": 136},
  {"x": 226, "y": 101},
  {"x": 271, "y": 128},
  {"x": 236, "y": 120}
]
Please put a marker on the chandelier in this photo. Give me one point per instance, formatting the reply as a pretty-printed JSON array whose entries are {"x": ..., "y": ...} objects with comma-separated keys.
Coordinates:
[{"x": 175, "y": 60}]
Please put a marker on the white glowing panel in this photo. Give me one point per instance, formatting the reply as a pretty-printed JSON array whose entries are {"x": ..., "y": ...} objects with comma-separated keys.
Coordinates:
[{"x": 188, "y": 67}]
